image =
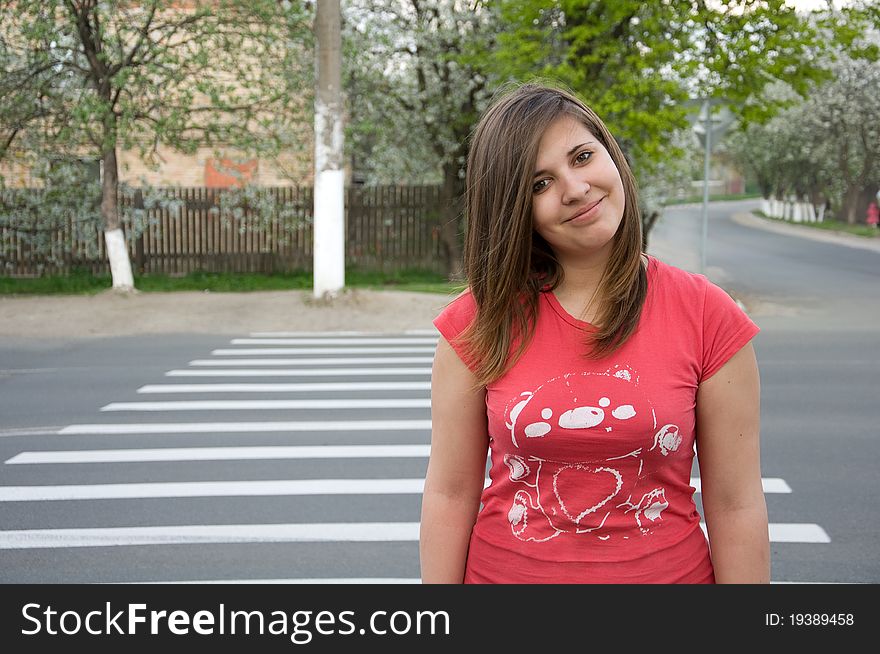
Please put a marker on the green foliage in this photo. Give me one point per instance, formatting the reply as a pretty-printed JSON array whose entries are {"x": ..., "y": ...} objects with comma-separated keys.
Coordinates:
[
  {"x": 95, "y": 76},
  {"x": 83, "y": 80},
  {"x": 66, "y": 202},
  {"x": 825, "y": 148},
  {"x": 58, "y": 219},
  {"x": 76, "y": 283},
  {"x": 416, "y": 80},
  {"x": 638, "y": 63},
  {"x": 85, "y": 283}
]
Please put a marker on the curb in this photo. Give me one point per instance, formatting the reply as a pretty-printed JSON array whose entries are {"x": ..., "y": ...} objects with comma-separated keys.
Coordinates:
[{"x": 793, "y": 229}]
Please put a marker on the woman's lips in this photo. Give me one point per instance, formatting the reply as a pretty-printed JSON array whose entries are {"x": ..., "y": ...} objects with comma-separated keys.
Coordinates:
[{"x": 588, "y": 213}]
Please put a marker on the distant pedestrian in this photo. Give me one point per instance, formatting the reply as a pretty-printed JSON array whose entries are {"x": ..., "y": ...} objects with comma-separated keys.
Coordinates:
[{"x": 873, "y": 215}]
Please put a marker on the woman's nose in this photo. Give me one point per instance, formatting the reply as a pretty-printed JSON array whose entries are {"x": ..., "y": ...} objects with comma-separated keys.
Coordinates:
[{"x": 574, "y": 188}]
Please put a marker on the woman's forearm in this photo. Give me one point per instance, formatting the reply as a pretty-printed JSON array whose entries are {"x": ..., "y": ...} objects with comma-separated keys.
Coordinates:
[
  {"x": 740, "y": 546},
  {"x": 445, "y": 533}
]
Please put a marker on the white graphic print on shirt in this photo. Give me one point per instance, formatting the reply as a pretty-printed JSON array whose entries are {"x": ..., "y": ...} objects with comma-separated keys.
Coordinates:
[{"x": 580, "y": 496}]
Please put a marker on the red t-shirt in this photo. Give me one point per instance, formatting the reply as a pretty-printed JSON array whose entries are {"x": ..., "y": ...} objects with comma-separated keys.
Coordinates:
[{"x": 591, "y": 460}]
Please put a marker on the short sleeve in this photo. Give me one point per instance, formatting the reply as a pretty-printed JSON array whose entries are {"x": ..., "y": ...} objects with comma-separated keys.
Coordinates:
[
  {"x": 726, "y": 329},
  {"x": 454, "y": 319}
]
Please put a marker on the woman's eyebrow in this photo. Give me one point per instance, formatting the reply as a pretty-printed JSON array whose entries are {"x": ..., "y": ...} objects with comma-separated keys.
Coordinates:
[{"x": 570, "y": 152}]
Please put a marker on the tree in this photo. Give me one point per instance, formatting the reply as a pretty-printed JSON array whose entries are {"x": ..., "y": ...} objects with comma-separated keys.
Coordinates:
[
  {"x": 417, "y": 80},
  {"x": 329, "y": 251},
  {"x": 638, "y": 63},
  {"x": 90, "y": 77},
  {"x": 823, "y": 150},
  {"x": 845, "y": 113}
]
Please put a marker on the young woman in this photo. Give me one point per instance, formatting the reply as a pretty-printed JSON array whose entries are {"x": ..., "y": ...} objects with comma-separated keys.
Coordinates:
[{"x": 590, "y": 372}]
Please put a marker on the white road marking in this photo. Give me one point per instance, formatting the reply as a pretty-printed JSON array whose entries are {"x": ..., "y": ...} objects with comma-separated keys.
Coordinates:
[
  {"x": 226, "y": 488},
  {"x": 798, "y": 533},
  {"x": 245, "y": 427},
  {"x": 286, "y": 388},
  {"x": 406, "y": 332},
  {"x": 271, "y": 533},
  {"x": 274, "y": 487},
  {"x": 304, "y": 372},
  {"x": 29, "y": 431},
  {"x": 238, "y": 405},
  {"x": 322, "y": 350},
  {"x": 770, "y": 485},
  {"x": 784, "y": 532},
  {"x": 222, "y": 454},
  {"x": 200, "y": 534},
  {"x": 333, "y": 341},
  {"x": 311, "y": 362}
]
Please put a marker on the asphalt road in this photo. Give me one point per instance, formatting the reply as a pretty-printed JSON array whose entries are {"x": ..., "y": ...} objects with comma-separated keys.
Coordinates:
[
  {"x": 818, "y": 306},
  {"x": 815, "y": 302}
]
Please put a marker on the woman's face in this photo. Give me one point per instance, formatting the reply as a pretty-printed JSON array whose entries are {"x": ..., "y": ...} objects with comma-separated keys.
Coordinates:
[{"x": 577, "y": 193}]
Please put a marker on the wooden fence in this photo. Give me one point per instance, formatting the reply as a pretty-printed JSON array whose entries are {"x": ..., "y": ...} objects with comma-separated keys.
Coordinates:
[{"x": 387, "y": 228}]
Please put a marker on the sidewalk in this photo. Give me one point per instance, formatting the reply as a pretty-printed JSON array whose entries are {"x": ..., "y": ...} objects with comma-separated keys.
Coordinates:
[{"x": 110, "y": 314}]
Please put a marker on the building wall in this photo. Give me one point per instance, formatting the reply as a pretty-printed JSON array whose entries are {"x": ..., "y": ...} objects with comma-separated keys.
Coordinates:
[{"x": 206, "y": 169}]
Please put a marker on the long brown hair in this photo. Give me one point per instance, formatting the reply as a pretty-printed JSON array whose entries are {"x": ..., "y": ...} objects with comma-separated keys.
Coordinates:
[{"x": 507, "y": 263}]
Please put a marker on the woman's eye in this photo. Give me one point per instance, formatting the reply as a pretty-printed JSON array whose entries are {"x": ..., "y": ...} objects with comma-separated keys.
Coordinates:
[
  {"x": 584, "y": 156},
  {"x": 539, "y": 186}
]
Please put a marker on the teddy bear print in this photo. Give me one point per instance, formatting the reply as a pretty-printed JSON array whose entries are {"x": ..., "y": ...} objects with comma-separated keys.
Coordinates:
[{"x": 581, "y": 496}]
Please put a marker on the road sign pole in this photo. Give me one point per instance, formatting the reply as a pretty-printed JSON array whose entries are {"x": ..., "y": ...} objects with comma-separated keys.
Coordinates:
[{"x": 707, "y": 115}]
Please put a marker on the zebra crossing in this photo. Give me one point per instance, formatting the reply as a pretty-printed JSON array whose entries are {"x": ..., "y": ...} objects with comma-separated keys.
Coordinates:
[{"x": 355, "y": 423}]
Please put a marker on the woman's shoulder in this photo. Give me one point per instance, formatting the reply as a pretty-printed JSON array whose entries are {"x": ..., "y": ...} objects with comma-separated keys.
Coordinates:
[
  {"x": 464, "y": 299},
  {"x": 456, "y": 314},
  {"x": 687, "y": 293},
  {"x": 673, "y": 279}
]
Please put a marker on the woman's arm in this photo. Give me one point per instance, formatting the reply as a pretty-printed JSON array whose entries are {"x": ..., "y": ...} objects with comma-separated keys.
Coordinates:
[
  {"x": 456, "y": 469},
  {"x": 729, "y": 454}
]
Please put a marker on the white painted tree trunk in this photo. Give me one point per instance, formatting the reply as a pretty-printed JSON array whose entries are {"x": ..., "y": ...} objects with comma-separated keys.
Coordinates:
[
  {"x": 765, "y": 206},
  {"x": 329, "y": 208},
  {"x": 120, "y": 264},
  {"x": 329, "y": 233}
]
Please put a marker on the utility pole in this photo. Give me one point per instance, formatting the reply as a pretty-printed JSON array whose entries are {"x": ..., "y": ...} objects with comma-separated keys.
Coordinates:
[{"x": 329, "y": 207}]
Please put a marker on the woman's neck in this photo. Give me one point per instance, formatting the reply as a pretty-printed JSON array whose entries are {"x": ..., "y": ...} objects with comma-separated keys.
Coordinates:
[{"x": 581, "y": 278}]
